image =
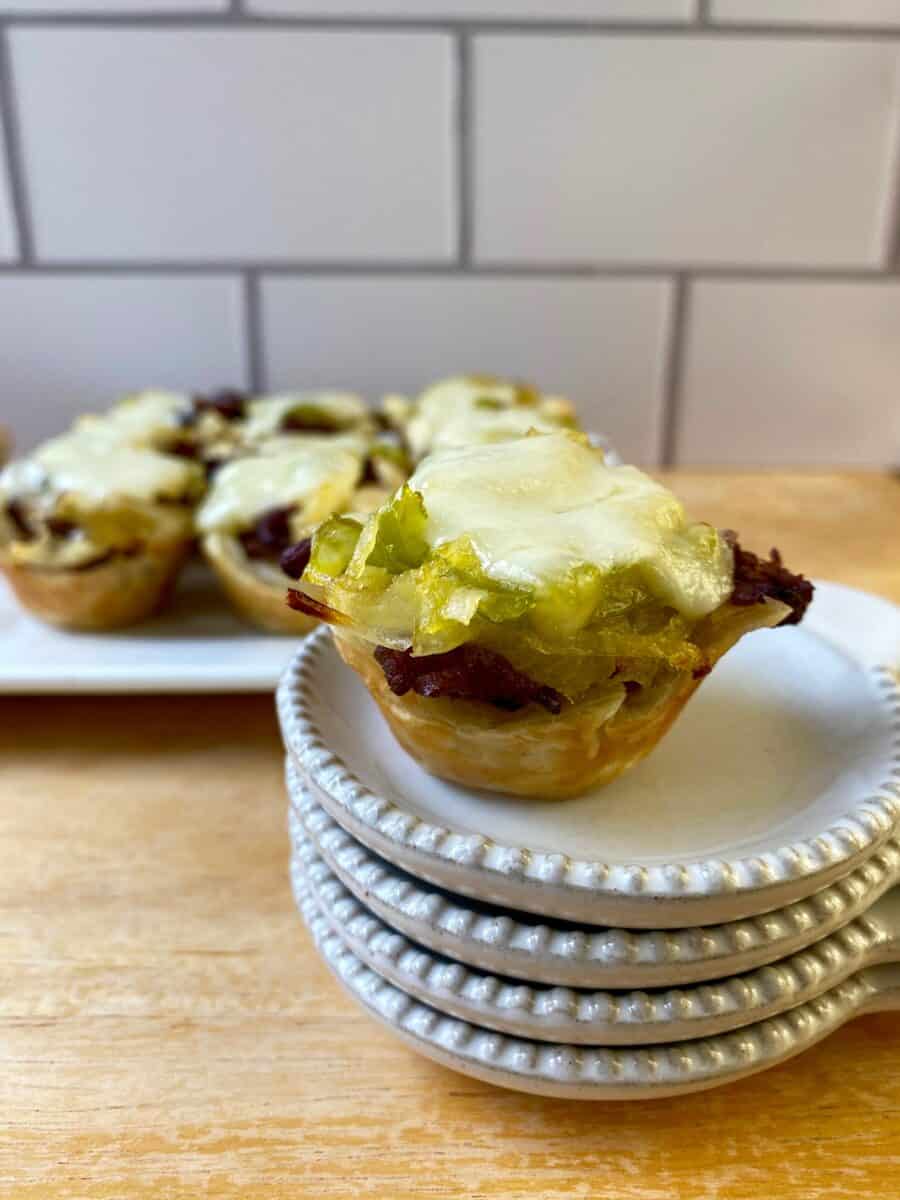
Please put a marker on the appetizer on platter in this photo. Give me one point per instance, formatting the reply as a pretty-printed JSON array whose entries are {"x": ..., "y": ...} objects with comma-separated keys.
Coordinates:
[
  {"x": 258, "y": 506},
  {"x": 93, "y": 532},
  {"x": 530, "y": 619},
  {"x": 323, "y": 412},
  {"x": 201, "y": 427},
  {"x": 473, "y": 409}
]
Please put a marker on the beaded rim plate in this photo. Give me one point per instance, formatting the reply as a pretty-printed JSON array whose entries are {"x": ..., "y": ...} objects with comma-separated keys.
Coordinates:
[
  {"x": 813, "y": 713},
  {"x": 597, "y": 1018},
  {"x": 515, "y": 944},
  {"x": 600, "y": 1073}
]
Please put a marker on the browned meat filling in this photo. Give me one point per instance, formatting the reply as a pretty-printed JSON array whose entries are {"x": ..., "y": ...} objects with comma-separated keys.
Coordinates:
[
  {"x": 756, "y": 578},
  {"x": 369, "y": 474},
  {"x": 270, "y": 536},
  {"x": 469, "y": 672},
  {"x": 227, "y": 402},
  {"x": 15, "y": 510},
  {"x": 182, "y": 448},
  {"x": 295, "y": 559}
]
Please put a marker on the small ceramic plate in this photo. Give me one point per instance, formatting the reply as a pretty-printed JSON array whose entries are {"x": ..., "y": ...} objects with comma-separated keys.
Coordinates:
[
  {"x": 592, "y": 1073},
  {"x": 560, "y": 952},
  {"x": 597, "y": 1018},
  {"x": 782, "y": 776}
]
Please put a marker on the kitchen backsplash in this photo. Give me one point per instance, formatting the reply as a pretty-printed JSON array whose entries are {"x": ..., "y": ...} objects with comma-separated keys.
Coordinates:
[{"x": 683, "y": 214}]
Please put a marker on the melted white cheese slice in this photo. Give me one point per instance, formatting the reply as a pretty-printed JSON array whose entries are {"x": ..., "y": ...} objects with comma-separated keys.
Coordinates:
[
  {"x": 320, "y": 478},
  {"x": 289, "y": 443},
  {"x": 95, "y": 469},
  {"x": 140, "y": 418},
  {"x": 265, "y": 414},
  {"x": 538, "y": 506},
  {"x": 465, "y": 411}
]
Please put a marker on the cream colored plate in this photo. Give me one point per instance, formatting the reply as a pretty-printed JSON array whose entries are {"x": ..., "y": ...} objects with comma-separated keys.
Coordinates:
[
  {"x": 196, "y": 645},
  {"x": 559, "y": 952},
  {"x": 780, "y": 777},
  {"x": 591, "y": 1073},
  {"x": 597, "y": 1018}
]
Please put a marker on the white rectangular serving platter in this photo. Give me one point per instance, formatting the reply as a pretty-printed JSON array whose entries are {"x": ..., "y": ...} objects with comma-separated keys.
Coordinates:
[{"x": 196, "y": 645}]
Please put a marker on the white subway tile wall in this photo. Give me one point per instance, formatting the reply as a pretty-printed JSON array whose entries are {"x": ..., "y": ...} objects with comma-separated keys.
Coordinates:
[
  {"x": 792, "y": 372},
  {"x": 685, "y": 214},
  {"x": 72, "y": 343},
  {"x": 174, "y": 144},
  {"x": 602, "y": 340},
  {"x": 808, "y": 12},
  {"x": 688, "y": 150}
]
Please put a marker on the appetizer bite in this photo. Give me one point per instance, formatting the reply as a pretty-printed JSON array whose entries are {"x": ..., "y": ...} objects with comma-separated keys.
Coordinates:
[
  {"x": 257, "y": 507},
  {"x": 201, "y": 427},
  {"x": 474, "y": 409},
  {"x": 93, "y": 532},
  {"x": 530, "y": 619}
]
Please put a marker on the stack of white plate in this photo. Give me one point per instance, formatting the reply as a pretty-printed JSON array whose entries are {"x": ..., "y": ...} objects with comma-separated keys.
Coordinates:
[{"x": 715, "y": 911}]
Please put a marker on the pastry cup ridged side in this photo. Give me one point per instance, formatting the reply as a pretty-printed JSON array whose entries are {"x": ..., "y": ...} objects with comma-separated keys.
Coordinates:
[{"x": 121, "y": 591}]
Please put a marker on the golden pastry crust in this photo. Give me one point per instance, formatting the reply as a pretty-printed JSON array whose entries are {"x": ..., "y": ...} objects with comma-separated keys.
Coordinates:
[
  {"x": 532, "y": 753},
  {"x": 117, "y": 592},
  {"x": 257, "y": 600}
]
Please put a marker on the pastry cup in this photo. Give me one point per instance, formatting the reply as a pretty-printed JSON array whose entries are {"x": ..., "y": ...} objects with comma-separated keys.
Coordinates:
[
  {"x": 118, "y": 591},
  {"x": 255, "y": 589},
  {"x": 533, "y": 753}
]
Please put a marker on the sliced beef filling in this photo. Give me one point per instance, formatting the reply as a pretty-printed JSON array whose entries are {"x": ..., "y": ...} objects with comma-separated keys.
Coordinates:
[
  {"x": 182, "y": 448},
  {"x": 270, "y": 536},
  {"x": 227, "y": 402},
  {"x": 369, "y": 475},
  {"x": 757, "y": 578},
  {"x": 469, "y": 672},
  {"x": 295, "y": 559},
  {"x": 18, "y": 517}
]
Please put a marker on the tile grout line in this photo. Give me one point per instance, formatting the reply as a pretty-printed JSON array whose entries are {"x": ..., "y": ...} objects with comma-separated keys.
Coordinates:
[
  {"x": 253, "y": 332},
  {"x": 673, "y": 372},
  {"x": 237, "y": 16},
  {"x": 464, "y": 148},
  {"x": 9, "y": 125},
  {"x": 702, "y": 15},
  {"x": 442, "y": 268},
  {"x": 890, "y": 216}
]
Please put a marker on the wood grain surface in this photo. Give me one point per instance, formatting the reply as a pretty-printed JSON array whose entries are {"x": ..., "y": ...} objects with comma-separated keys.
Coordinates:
[{"x": 167, "y": 1031}]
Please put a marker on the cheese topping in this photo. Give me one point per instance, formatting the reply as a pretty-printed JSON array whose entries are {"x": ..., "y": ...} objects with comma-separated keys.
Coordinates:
[
  {"x": 139, "y": 419},
  {"x": 541, "y": 505},
  {"x": 290, "y": 443},
  {"x": 265, "y": 415},
  {"x": 466, "y": 411},
  {"x": 320, "y": 478},
  {"x": 95, "y": 469}
]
